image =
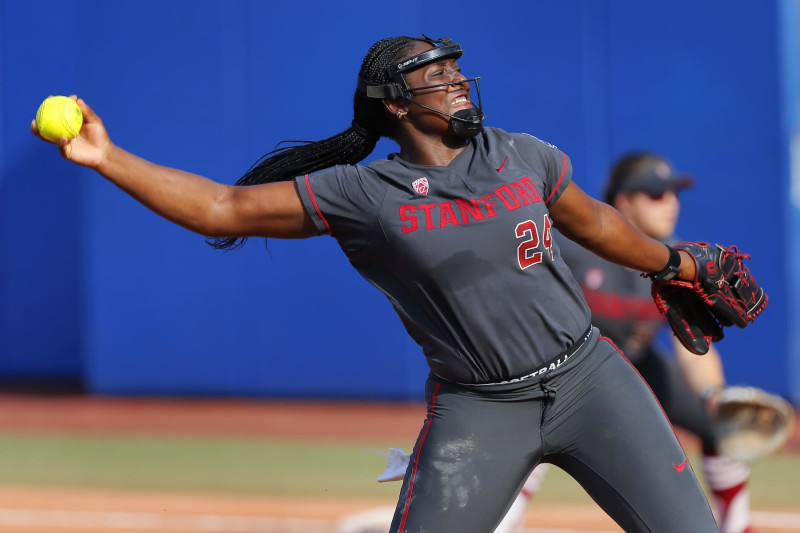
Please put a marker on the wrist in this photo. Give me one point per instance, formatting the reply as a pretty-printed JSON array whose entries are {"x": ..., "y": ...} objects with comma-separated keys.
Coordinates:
[
  {"x": 106, "y": 161},
  {"x": 672, "y": 269},
  {"x": 688, "y": 267},
  {"x": 710, "y": 397}
]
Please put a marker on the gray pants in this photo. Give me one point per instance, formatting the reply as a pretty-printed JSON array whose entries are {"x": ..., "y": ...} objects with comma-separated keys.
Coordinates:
[
  {"x": 683, "y": 407},
  {"x": 594, "y": 417}
]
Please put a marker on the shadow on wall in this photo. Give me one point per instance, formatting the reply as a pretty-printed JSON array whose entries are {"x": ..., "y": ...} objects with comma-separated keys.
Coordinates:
[{"x": 40, "y": 277}]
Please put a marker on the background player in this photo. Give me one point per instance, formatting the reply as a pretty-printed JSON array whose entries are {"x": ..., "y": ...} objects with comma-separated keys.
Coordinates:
[
  {"x": 455, "y": 230},
  {"x": 644, "y": 188}
]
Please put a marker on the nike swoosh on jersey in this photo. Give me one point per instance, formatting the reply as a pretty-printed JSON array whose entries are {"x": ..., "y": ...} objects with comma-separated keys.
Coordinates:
[{"x": 680, "y": 467}]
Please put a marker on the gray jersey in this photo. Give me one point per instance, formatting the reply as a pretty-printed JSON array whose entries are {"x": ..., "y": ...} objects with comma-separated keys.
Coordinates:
[
  {"x": 623, "y": 310},
  {"x": 464, "y": 252},
  {"x": 466, "y": 255},
  {"x": 619, "y": 298}
]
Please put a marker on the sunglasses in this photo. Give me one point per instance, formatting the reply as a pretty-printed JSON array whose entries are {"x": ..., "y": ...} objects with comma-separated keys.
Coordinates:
[{"x": 659, "y": 195}]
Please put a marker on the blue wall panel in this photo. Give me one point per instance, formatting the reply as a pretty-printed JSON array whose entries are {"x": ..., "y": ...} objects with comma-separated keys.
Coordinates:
[
  {"x": 137, "y": 305},
  {"x": 789, "y": 54},
  {"x": 40, "y": 204},
  {"x": 704, "y": 89}
]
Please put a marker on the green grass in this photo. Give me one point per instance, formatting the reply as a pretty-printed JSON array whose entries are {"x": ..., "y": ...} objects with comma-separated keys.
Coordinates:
[
  {"x": 228, "y": 465},
  {"x": 774, "y": 484},
  {"x": 191, "y": 464}
]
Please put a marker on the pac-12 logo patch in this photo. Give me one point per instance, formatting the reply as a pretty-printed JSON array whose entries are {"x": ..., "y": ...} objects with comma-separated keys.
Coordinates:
[
  {"x": 594, "y": 277},
  {"x": 421, "y": 185}
]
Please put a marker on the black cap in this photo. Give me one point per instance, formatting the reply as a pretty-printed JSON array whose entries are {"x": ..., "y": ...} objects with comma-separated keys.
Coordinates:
[{"x": 654, "y": 179}]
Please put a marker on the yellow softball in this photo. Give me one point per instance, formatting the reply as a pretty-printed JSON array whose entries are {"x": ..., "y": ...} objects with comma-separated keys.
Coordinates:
[{"x": 59, "y": 116}]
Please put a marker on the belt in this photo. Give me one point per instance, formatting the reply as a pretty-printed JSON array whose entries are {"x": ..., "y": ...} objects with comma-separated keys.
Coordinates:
[{"x": 552, "y": 364}]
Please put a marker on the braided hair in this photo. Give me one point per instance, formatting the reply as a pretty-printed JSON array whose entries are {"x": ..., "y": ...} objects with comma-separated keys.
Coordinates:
[{"x": 371, "y": 121}]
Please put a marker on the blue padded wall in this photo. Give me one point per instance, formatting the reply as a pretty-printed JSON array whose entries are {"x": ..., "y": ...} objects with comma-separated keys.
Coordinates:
[{"x": 97, "y": 288}]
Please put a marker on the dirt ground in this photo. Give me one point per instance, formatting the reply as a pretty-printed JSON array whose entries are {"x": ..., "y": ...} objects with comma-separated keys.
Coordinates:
[{"x": 29, "y": 510}]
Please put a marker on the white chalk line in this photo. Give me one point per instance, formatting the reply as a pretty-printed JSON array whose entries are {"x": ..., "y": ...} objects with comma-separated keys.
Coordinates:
[
  {"x": 551, "y": 530},
  {"x": 111, "y": 520},
  {"x": 776, "y": 519},
  {"x": 760, "y": 518}
]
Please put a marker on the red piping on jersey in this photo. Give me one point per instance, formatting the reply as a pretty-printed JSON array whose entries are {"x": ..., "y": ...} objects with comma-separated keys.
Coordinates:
[
  {"x": 654, "y": 396},
  {"x": 501, "y": 167},
  {"x": 416, "y": 458},
  {"x": 561, "y": 177},
  {"x": 316, "y": 207}
]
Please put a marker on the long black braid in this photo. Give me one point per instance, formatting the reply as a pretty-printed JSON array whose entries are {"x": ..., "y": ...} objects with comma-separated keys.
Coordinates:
[{"x": 371, "y": 121}]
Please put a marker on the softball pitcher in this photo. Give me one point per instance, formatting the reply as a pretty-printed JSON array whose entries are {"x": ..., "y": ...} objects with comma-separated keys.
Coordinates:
[{"x": 456, "y": 230}]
